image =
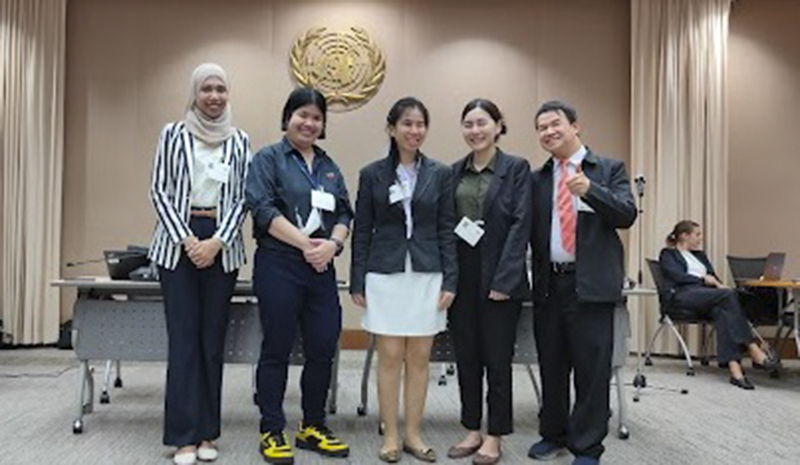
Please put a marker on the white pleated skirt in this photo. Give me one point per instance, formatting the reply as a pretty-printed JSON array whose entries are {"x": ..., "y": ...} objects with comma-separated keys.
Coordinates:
[{"x": 403, "y": 304}]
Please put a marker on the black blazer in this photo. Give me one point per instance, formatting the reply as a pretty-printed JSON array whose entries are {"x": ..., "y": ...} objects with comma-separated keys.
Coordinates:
[
  {"x": 507, "y": 218},
  {"x": 674, "y": 266},
  {"x": 379, "y": 241},
  {"x": 599, "y": 254}
]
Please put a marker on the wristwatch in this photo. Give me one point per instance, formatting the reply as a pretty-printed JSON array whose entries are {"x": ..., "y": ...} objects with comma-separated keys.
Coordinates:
[{"x": 339, "y": 245}]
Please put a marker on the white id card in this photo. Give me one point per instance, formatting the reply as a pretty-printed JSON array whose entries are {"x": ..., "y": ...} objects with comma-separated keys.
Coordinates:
[
  {"x": 469, "y": 231},
  {"x": 313, "y": 223},
  {"x": 323, "y": 200},
  {"x": 218, "y": 171},
  {"x": 584, "y": 207}
]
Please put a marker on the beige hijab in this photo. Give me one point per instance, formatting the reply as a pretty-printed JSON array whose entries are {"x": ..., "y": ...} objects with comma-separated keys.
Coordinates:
[{"x": 210, "y": 131}]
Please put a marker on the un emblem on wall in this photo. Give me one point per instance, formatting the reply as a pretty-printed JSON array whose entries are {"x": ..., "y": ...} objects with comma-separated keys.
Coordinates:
[{"x": 347, "y": 67}]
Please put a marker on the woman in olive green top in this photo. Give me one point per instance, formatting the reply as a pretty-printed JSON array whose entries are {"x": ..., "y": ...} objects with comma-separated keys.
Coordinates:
[{"x": 492, "y": 191}]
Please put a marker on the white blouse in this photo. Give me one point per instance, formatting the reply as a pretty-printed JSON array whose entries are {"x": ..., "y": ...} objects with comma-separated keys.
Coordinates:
[
  {"x": 694, "y": 266},
  {"x": 205, "y": 190}
]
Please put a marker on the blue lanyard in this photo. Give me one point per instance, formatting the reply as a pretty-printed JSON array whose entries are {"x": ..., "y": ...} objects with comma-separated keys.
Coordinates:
[{"x": 304, "y": 169}]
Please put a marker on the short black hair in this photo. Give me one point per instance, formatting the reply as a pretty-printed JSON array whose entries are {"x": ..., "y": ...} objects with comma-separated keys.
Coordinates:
[
  {"x": 558, "y": 107},
  {"x": 489, "y": 107},
  {"x": 301, "y": 97}
]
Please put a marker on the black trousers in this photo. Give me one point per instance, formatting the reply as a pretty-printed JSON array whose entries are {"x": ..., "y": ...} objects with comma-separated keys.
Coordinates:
[
  {"x": 733, "y": 332},
  {"x": 484, "y": 332},
  {"x": 577, "y": 337},
  {"x": 196, "y": 304},
  {"x": 291, "y": 293}
]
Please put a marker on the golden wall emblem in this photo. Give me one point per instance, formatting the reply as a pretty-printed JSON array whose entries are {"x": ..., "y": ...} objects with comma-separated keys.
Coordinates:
[{"x": 347, "y": 67}]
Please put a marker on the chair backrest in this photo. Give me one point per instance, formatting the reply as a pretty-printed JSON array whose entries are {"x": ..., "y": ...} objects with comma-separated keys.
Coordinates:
[
  {"x": 744, "y": 268},
  {"x": 658, "y": 280}
]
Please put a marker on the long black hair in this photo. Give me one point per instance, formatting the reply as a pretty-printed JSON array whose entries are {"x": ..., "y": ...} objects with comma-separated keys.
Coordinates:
[{"x": 397, "y": 110}]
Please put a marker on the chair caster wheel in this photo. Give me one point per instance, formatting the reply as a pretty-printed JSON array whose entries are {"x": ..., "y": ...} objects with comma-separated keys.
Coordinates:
[
  {"x": 442, "y": 381},
  {"x": 639, "y": 381},
  {"x": 332, "y": 410},
  {"x": 648, "y": 362},
  {"x": 623, "y": 433},
  {"x": 704, "y": 362},
  {"x": 690, "y": 373},
  {"x": 104, "y": 398},
  {"x": 451, "y": 370},
  {"x": 118, "y": 383},
  {"x": 361, "y": 411},
  {"x": 77, "y": 427}
]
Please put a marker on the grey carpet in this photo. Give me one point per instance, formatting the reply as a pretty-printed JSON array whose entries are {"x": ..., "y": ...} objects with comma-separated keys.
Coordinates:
[{"x": 714, "y": 424}]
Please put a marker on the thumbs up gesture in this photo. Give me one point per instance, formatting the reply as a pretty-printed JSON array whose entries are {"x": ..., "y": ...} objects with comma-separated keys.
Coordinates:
[{"x": 578, "y": 184}]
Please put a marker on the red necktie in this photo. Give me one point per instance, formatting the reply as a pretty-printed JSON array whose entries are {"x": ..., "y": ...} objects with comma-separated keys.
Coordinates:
[{"x": 566, "y": 213}]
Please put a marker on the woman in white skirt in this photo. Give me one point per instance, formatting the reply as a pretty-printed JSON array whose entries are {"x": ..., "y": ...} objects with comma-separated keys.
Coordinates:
[{"x": 404, "y": 270}]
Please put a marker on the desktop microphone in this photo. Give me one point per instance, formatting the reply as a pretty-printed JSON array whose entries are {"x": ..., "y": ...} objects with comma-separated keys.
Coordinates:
[{"x": 640, "y": 182}]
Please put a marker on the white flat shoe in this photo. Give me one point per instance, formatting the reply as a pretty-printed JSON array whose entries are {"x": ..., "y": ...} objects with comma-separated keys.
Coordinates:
[
  {"x": 184, "y": 458},
  {"x": 207, "y": 453}
]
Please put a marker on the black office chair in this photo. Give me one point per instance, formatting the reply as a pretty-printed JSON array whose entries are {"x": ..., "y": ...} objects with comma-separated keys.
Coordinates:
[
  {"x": 762, "y": 306},
  {"x": 671, "y": 315}
]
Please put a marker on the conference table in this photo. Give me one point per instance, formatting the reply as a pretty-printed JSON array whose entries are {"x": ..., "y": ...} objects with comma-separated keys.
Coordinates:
[
  {"x": 119, "y": 320},
  {"x": 790, "y": 286},
  {"x": 123, "y": 320}
]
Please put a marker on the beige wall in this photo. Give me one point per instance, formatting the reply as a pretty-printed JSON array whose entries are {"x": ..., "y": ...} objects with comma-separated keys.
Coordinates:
[
  {"x": 128, "y": 65},
  {"x": 764, "y": 70}
]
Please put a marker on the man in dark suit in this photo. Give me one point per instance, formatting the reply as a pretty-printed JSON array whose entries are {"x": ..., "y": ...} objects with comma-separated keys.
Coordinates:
[{"x": 579, "y": 200}]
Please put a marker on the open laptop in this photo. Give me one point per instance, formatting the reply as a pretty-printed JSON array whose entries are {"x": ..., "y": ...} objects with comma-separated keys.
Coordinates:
[
  {"x": 120, "y": 263},
  {"x": 773, "y": 267}
]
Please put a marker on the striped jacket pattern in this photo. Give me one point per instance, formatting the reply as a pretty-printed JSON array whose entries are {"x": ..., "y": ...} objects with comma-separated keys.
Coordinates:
[{"x": 171, "y": 189}]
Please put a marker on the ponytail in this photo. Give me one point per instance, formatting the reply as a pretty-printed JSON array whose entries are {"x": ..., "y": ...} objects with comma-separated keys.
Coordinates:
[{"x": 683, "y": 227}]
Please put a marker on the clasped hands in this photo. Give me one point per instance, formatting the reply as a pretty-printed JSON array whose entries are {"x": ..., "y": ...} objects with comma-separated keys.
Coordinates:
[
  {"x": 319, "y": 253},
  {"x": 202, "y": 252},
  {"x": 712, "y": 281}
]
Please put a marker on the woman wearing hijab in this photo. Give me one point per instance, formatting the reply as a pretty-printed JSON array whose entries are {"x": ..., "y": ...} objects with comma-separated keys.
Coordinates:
[{"x": 197, "y": 191}]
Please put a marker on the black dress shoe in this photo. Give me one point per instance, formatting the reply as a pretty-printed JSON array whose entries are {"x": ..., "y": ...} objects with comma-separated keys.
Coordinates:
[
  {"x": 743, "y": 383},
  {"x": 770, "y": 363}
]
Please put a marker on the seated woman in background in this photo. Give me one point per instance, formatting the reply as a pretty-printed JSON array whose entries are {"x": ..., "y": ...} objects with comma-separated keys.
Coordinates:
[{"x": 695, "y": 286}]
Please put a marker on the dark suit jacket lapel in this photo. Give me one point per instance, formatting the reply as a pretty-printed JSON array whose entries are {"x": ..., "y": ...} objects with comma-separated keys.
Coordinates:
[
  {"x": 546, "y": 199},
  {"x": 424, "y": 177},
  {"x": 500, "y": 171}
]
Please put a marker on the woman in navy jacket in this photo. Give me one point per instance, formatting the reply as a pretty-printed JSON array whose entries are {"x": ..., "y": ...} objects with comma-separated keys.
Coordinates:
[
  {"x": 301, "y": 216},
  {"x": 694, "y": 285},
  {"x": 404, "y": 268},
  {"x": 197, "y": 191},
  {"x": 492, "y": 190}
]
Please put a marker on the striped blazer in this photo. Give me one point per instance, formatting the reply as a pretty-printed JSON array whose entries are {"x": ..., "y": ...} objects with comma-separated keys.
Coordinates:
[{"x": 170, "y": 193}]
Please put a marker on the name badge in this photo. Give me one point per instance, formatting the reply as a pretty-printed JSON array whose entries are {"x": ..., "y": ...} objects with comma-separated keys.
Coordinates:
[
  {"x": 219, "y": 171},
  {"x": 323, "y": 200},
  {"x": 584, "y": 207},
  {"x": 396, "y": 194},
  {"x": 469, "y": 231}
]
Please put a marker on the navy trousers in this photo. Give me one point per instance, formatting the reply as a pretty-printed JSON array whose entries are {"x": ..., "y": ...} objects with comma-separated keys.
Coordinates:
[
  {"x": 733, "y": 332},
  {"x": 292, "y": 294},
  {"x": 577, "y": 337},
  {"x": 196, "y": 304}
]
